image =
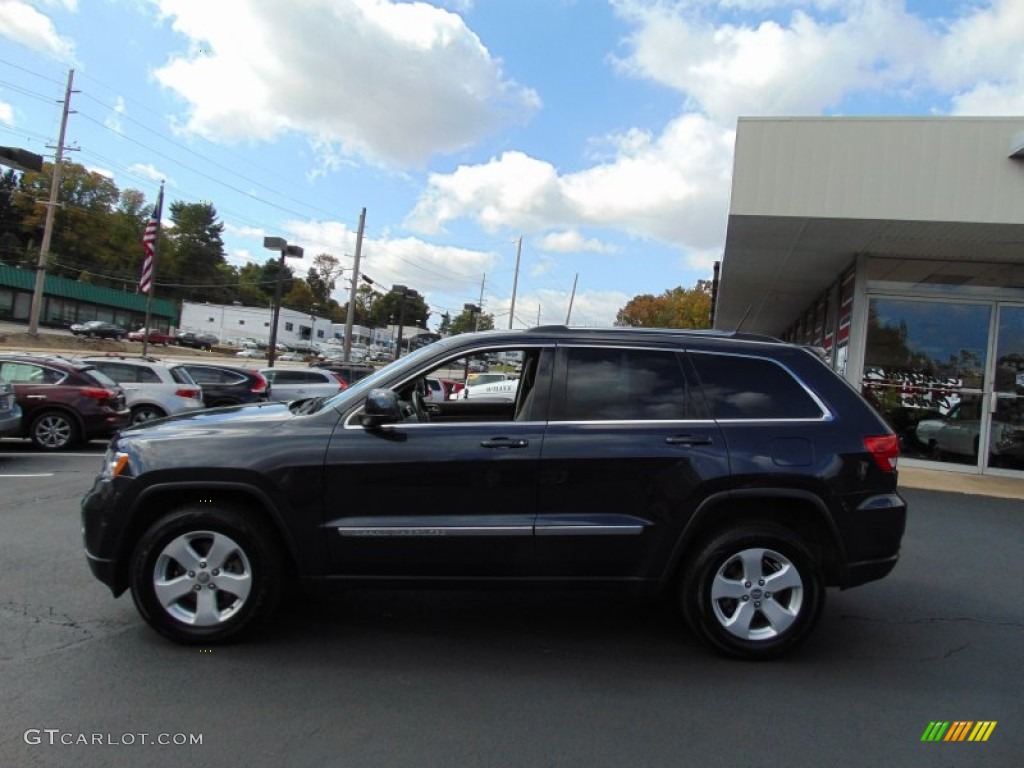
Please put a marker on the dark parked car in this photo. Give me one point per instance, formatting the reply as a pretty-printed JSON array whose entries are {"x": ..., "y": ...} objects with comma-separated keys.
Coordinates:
[
  {"x": 227, "y": 385},
  {"x": 63, "y": 402},
  {"x": 197, "y": 340},
  {"x": 100, "y": 330},
  {"x": 739, "y": 474}
]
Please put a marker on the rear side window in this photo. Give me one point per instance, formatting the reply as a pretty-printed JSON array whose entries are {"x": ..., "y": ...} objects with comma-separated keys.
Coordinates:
[
  {"x": 214, "y": 376},
  {"x": 609, "y": 384},
  {"x": 181, "y": 376},
  {"x": 739, "y": 387}
]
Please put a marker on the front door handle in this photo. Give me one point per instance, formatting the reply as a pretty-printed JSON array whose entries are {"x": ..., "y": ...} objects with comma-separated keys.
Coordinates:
[
  {"x": 688, "y": 440},
  {"x": 504, "y": 442}
]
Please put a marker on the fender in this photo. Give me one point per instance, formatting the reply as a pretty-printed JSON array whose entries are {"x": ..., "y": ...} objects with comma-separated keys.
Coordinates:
[
  {"x": 717, "y": 501},
  {"x": 276, "y": 518}
]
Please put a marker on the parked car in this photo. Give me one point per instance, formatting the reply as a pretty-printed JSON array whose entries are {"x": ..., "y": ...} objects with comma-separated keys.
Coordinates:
[
  {"x": 287, "y": 384},
  {"x": 196, "y": 340},
  {"x": 736, "y": 473},
  {"x": 155, "y": 337},
  {"x": 99, "y": 329},
  {"x": 350, "y": 373},
  {"x": 10, "y": 411},
  {"x": 63, "y": 402},
  {"x": 226, "y": 385},
  {"x": 152, "y": 389},
  {"x": 442, "y": 389},
  {"x": 251, "y": 353},
  {"x": 959, "y": 433},
  {"x": 500, "y": 389}
]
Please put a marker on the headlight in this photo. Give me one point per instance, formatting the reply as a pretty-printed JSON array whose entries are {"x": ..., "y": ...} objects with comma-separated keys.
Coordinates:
[{"x": 115, "y": 464}]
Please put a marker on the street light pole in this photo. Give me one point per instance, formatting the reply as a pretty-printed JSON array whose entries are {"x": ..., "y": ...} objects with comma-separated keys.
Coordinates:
[{"x": 278, "y": 244}]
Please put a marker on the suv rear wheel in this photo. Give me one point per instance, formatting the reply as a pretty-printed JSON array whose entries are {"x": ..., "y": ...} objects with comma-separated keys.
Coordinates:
[
  {"x": 754, "y": 591},
  {"x": 203, "y": 574},
  {"x": 141, "y": 413}
]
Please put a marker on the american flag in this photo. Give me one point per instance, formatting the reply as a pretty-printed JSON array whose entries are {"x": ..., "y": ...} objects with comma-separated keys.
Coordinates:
[{"x": 149, "y": 244}]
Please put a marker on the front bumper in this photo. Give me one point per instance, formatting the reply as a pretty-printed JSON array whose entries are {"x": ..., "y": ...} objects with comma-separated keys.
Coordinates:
[{"x": 103, "y": 525}]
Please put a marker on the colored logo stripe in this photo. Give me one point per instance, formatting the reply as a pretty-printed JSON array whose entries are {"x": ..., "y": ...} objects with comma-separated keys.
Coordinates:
[{"x": 958, "y": 730}]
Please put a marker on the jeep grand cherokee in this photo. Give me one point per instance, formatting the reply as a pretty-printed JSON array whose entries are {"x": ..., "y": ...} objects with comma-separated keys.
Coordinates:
[{"x": 737, "y": 471}]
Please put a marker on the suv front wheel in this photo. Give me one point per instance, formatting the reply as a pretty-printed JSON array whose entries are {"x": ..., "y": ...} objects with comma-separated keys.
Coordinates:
[
  {"x": 754, "y": 591},
  {"x": 203, "y": 573}
]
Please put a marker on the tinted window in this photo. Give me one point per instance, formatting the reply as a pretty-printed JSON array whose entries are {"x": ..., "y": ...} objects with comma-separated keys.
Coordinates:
[
  {"x": 739, "y": 387},
  {"x": 214, "y": 376},
  {"x": 625, "y": 384}
]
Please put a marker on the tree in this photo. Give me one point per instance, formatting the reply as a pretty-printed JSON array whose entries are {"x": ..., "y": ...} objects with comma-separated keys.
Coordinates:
[
  {"x": 82, "y": 223},
  {"x": 322, "y": 277},
  {"x": 675, "y": 308},
  {"x": 466, "y": 322},
  {"x": 196, "y": 255},
  {"x": 386, "y": 311},
  {"x": 445, "y": 329}
]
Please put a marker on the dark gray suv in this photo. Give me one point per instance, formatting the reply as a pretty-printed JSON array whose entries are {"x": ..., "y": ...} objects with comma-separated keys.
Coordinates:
[{"x": 738, "y": 472}]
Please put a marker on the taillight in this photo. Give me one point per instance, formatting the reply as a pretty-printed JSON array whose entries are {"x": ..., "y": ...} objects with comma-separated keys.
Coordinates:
[
  {"x": 259, "y": 386},
  {"x": 97, "y": 393},
  {"x": 191, "y": 394},
  {"x": 342, "y": 386},
  {"x": 885, "y": 449}
]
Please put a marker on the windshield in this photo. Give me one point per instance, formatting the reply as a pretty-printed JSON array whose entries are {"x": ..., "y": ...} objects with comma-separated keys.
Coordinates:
[{"x": 364, "y": 385}]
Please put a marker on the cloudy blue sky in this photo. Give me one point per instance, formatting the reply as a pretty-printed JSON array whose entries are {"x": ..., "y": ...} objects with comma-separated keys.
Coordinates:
[{"x": 600, "y": 132}]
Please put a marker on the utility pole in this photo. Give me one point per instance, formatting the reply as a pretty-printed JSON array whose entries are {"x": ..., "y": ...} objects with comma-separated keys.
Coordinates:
[
  {"x": 515, "y": 283},
  {"x": 480, "y": 304},
  {"x": 44, "y": 249},
  {"x": 350, "y": 318},
  {"x": 572, "y": 297}
]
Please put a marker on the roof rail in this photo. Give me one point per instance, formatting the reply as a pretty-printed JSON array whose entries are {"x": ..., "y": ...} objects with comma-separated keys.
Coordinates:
[{"x": 739, "y": 335}]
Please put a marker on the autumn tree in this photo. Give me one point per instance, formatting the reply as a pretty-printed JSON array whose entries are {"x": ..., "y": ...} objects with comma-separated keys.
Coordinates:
[
  {"x": 675, "y": 308},
  {"x": 322, "y": 277}
]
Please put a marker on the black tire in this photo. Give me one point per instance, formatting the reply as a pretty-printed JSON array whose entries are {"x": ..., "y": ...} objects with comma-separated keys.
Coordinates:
[
  {"x": 143, "y": 413},
  {"x": 54, "y": 431},
  {"x": 736, "y": 614},
  {"x": 174, "y": 551}
]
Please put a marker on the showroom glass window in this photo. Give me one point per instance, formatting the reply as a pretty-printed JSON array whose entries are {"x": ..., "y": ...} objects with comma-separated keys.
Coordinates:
[{"x": 921, "y": 359}]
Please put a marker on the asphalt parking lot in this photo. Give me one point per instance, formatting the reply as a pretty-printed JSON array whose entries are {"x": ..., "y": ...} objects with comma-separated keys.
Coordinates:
[{"x": 391, "y": 678}]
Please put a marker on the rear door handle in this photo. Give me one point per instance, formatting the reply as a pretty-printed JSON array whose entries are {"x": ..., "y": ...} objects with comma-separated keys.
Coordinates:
[
  {"x": 688, "y": 440},
  {"x": 504, "y": 442}
]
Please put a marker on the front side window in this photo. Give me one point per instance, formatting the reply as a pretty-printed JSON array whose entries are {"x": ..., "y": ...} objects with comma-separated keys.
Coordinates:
[
  {"x": 625, "y": 385},
  {"x": 740, "y": 387}
]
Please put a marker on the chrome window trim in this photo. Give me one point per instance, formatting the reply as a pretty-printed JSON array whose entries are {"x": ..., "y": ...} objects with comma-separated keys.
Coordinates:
[{"x": 435, "y": 424}]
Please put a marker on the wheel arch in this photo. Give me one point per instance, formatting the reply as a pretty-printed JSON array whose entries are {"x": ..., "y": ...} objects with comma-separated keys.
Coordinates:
[
  {"x": 800, "y": 511},
  {"x": 159, "y": 500}
]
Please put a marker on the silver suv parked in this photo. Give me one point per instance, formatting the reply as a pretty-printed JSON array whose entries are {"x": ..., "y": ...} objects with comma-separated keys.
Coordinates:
[{"x": 153, "y": 389}]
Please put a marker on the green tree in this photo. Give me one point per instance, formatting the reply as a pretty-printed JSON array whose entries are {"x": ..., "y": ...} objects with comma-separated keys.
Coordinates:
[
  {"x": 675, "y": 308},
  {"x": 80, "y": 238},
  {"x": 322, "y": 277},
  {"x": 196, "y": 257},
  {"x": 466, "y": 322},
  {"x": 445, "y": 329},
  {"x": 386, "y": 311}
]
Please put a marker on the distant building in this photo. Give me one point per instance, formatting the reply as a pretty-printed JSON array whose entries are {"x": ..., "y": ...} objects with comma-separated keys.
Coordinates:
[{"x": 232, "y": 321}]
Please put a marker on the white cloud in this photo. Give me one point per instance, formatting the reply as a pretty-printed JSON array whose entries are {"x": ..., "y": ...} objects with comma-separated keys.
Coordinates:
[
  {"x": 571, "y": 241},
  {"x": 803, "y": 66},
  {"x": 673, "y": 187},
  {"x": 6, "y": 112},
  {"x": 426, "y": 267},
  {"x": 105, "y": 172},
  {"x": 22, "y": 23},
  {"x": 392, "y": 82},
  {"x": 113, "y": 120},
  {"x": 236, "y": 230},
  {"x": 149, "y": 171}
]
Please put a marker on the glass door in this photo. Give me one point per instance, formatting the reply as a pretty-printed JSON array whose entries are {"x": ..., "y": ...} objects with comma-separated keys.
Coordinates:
[
  {"x": 924, "y": 370},
  {"x": 1006, "y": 422}
]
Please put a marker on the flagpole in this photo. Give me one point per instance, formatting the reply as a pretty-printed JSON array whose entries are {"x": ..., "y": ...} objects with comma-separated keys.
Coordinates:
[{"x": 157, "y": 214}]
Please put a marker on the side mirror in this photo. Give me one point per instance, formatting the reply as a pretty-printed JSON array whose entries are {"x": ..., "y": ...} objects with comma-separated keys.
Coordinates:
[{"x": 381, "y": 407}]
